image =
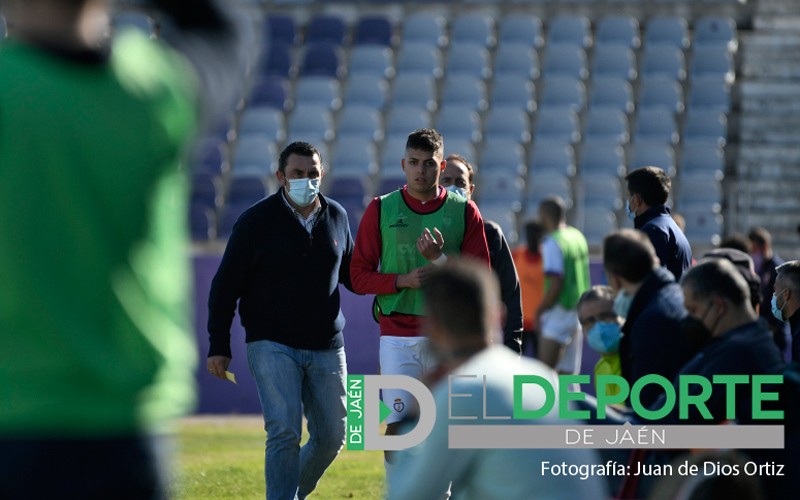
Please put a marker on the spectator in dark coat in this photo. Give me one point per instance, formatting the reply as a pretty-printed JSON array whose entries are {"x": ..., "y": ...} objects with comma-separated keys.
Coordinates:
[
  {"x": 648, "y": 190},
  {"x": 459, "y": 176},
  {"x": 651, "y": 302}
]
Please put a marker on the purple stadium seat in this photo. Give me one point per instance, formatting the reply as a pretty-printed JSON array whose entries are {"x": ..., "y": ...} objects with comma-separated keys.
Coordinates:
[
  {"x": 323, "y": 59},
  {"x": 280, "y": 28},
  {"x": 271, "y": 91},
  {"x": 326, "y": 28},
  {"x": 374, "y": 29}
]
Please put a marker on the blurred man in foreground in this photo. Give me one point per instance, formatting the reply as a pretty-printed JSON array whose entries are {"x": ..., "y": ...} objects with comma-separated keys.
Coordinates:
[
  {"x": 98, "y": 349},
  {"x": 463, "y": 312}
]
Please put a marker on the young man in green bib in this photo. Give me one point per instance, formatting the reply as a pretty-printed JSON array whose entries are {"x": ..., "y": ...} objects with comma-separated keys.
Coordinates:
[
  {"x": 565, "y": 255},
  {"x": 401, "y": 235}
]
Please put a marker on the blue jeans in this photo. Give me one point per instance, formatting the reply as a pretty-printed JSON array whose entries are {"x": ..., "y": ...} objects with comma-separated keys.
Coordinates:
[{"x": 292, "y": 382}]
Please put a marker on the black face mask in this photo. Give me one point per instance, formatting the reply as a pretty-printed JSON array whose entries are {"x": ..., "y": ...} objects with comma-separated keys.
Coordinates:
[{"x": 695, "y": 333}]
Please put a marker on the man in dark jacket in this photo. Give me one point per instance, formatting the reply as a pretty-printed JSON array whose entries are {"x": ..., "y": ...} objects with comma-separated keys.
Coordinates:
[
  {"x": 283, "y": 263},
  {"x": 648, "y": 190},
  {"x": 459, "y": 176},
  {"x": 652, "y": 305},
  {"x": 717, "y": 299}
]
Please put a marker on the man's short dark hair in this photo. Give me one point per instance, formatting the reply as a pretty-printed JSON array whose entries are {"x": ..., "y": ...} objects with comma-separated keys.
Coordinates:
[
  {"x": 736, "y": 241},
  {"x": 790, "y": 272},
  {"x": 630, "y": 254},
  {"x": 744, "y": 264},
  {"x": 460, "y": 297},
  {"x": 717, "y": 278},
  {"x": 651, "y": 183},
  {"x": 534, "y": 233},
  {"x": 554, "y": 208},
  {"x": 470, "y": 170},
  {"x": 426, "y": 139},
  {"x": 297, "y": 148},
  {"x": 760, "y": 236}
]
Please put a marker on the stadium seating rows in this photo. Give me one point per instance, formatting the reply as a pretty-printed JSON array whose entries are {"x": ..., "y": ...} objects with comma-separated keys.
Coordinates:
[{"x": 565, "y": 105}]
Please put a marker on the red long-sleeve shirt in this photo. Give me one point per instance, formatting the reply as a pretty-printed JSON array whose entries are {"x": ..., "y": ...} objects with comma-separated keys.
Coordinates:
[{"x": 366, "y": 278}]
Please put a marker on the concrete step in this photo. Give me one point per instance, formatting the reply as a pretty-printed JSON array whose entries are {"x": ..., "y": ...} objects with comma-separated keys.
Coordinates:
[
  {"x": 783, "y": 154},
  {"x": 775, "y": 96},
  {"x": 767, "y": 67},
  {"x": 776, "y": 162},
  {"x": 761, "y": 169},
  {"x": 775, "y": 222},
  {"x": 788, "y": 22},
  {"x": 770, "y": 55},
  {"x": 769, "y": 121},
  {"x": 759, "y": 187},
  {"x": 770, "y": 204},
  {"x": 781, "y": 6},
  {"x": 768, "y": 128},
  {"x": 769, "y": 39}
]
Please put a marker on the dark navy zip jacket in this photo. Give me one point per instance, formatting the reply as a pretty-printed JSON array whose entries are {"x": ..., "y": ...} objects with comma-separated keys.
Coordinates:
[
  {"x": 670, "y": 243},
  {"x": 285, "y": 279}
]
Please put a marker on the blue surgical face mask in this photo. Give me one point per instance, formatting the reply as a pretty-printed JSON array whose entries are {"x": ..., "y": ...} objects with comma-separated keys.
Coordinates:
[
  {"x": 777, "y": 311},
  {"x": 303, "y": 191},
  {"x": 604, "y": 337},
  {"x": 631, "y": 213},
  {"x": 622, "y": 303},
  {"x": 458, "y": 190}
]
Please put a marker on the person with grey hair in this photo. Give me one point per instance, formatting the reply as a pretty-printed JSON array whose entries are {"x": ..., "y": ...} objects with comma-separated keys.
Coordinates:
[
  {"x": 463, "y": 310},
  {"x": 652, "y": 305},
  {"x": 785, "y": 301}
]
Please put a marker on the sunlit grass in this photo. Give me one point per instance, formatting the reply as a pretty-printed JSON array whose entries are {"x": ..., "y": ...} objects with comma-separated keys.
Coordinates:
[{"x": 223, "y": 458}]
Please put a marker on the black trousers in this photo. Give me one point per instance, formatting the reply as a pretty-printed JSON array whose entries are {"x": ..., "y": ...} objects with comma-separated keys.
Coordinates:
[{"x": 111, "y": 468}]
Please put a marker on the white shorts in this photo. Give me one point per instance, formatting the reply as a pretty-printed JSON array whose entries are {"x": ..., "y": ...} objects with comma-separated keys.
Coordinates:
[
  {"x": 562, "y": 326},
  {"x": 403, "y": 356}
]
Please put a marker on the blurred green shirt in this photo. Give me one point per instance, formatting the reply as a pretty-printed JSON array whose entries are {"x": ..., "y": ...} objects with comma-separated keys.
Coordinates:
[{"x": 95, "y": 334}]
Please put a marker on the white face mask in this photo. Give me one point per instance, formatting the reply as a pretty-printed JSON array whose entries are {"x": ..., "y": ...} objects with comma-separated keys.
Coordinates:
[
  {"x": 458, "y": 190},
  {"x": 303, "y": 191}
]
